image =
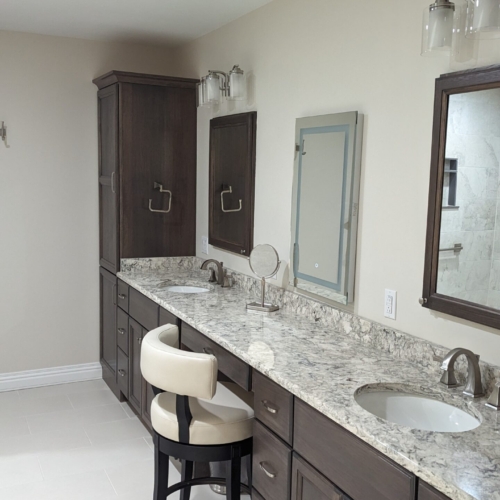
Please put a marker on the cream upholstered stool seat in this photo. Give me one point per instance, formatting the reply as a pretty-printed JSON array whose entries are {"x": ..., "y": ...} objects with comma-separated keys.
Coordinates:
[{"x": 194, "y": 417}]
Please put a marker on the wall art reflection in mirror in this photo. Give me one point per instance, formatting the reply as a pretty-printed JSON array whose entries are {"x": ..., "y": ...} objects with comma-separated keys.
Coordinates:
[{"x": 325, "y": 205}]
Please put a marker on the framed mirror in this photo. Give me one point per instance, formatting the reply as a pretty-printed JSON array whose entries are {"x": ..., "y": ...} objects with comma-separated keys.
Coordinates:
[
  {"x": 325, "y": 205},
  {"x": 462, "y": 259}
]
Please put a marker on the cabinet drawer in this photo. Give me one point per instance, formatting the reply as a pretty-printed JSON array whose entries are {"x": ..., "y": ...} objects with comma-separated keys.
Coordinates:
[
  {"x": 167, "y": 318},
  {"x": 273, "y": 406},
  {"x": 426, "y": 492},
  {"x": 308, "y": 483},
  {"x": 231, "y": 366},
  {"x": 123, "y": 293},
  {"x": 272, "y": 460},
  {"x": 123, "y": 372},
  {"x": 256, "y": 496},
  {"x": 354, "y": 466},
  {"x": 143, "y": 310},
  {"x": 122, "y": 330}
]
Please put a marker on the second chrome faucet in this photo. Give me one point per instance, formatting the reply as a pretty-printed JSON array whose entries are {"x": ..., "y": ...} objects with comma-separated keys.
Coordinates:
[
  {"x": 221, "y": 276},
  {"x": 473, "y": 387}
]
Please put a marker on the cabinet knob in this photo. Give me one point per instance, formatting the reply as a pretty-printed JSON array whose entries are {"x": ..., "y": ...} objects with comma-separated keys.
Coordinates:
[
  {"x": 139, "y": 340},
  {"x": 272, "y": 475},
  {"x": 269, "y": 407},
  {"x": 207, "y": 350},
  {"x": 122, "y": 373},
  {"x": 121, "y": 331},
  {"x": 122, "y": 296}
]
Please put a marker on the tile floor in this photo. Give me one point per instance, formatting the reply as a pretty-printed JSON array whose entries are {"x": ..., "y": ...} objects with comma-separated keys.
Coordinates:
[{"x": 76, "y": 441}]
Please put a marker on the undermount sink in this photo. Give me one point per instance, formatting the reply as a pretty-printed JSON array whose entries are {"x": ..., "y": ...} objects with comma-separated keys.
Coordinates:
[
  {"x": 415, "y": 411},
  {"x": 186, "y": 289}
]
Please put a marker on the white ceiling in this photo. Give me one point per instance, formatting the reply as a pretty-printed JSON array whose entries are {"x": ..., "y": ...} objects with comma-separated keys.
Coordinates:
[{"x": 163, "y": 22}]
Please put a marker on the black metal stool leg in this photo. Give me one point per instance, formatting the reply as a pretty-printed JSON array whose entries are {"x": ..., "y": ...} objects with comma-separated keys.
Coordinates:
[
  {"x": 187, "y": 473},
  {"x": 233, "y": 485},
  {"x": 161, "y": 472}
]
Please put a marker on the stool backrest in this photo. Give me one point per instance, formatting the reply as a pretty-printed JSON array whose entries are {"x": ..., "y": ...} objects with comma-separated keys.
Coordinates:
[{"x": 168, "y": 368}]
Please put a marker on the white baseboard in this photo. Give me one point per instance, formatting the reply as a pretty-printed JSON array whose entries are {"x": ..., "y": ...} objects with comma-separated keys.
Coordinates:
[{"x": 49, "y": 376}]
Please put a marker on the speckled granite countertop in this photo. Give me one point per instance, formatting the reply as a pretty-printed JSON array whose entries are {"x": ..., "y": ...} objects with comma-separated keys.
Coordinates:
[{"x": 324, "y": 368}]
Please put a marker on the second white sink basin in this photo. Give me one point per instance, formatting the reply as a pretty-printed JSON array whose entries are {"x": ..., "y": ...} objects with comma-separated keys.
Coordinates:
[
  {"x": 416, "y": 411},
  {"x": 186, "y": 289}
]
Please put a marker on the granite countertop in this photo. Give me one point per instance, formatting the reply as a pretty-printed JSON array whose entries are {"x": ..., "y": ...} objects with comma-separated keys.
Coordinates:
[{"x": 324, "y": 368}]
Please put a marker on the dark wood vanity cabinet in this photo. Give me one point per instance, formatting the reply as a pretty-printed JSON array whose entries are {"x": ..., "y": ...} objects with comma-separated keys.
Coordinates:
[
  {"x": 426, "y": 492},
  {"x": 232, "y": 182},
  {"x": 147, "y": 166}
]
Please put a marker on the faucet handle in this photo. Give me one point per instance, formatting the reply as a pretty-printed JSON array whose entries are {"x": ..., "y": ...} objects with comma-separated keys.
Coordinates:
[{"x": 494, "y": 399}]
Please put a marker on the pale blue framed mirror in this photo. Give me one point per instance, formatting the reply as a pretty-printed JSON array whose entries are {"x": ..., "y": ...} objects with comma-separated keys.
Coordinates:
[{"x": 325, "y": 205}]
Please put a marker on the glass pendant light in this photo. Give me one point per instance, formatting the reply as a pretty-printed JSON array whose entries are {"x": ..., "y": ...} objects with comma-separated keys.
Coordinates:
[
  {"x": 437, "y": 29},
  {"x": 213, "y": 88},
  {"x": 237, "y": 84},
  {"x": 483, "y": 19}
]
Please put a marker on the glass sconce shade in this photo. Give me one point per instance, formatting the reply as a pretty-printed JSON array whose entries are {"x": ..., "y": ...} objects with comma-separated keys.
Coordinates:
[
  {"x": 437, "y": 27},
  {"x": 237, "y": 84},
  {"x": 483, "y": 19},
  {"x": 213, "y": 88}
]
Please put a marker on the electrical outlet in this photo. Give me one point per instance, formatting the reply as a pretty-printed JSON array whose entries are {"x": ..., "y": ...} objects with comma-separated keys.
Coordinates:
[
  {"x": 390, "y": 304},
  {"x": 204, "y": 245}
]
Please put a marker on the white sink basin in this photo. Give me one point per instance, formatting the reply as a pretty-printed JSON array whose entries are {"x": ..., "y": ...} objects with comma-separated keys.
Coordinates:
[
  {"x": 186, "y": 289},
  {"x": 415, "y": 411}
]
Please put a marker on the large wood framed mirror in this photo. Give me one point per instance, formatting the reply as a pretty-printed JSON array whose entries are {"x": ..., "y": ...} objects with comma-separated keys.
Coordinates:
[{"x": 462, "y": 259}]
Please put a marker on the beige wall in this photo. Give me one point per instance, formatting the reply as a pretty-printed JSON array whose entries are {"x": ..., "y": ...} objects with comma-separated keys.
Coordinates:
[
  {"x": 49, "y": 296},
  {"x": 310, "y": 57}
]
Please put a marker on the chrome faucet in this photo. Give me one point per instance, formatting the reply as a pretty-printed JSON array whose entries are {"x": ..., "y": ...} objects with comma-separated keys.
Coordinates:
[
  {"x": 473, "y": 387},
  {"x": 221, "y": 277}
]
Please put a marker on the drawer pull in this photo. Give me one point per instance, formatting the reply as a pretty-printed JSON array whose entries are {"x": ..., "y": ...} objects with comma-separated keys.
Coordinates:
[
  {"x": 269, "y": 408},
  {"x": 272, "y": 475},
  {"x": 122, "y": 296},
  {"x": 122, "y": 373},
  {"x": 207, "y": 350},
  {"x": 139, "y": 340},
  {"x": 121, "y": 331}
]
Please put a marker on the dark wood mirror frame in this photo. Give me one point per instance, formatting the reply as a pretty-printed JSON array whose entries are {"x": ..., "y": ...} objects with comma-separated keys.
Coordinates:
[{"x": 446, "y": 85}]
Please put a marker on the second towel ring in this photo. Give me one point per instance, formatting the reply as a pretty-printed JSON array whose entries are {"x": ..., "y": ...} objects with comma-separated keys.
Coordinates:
[{"x": 230, "y": 190}]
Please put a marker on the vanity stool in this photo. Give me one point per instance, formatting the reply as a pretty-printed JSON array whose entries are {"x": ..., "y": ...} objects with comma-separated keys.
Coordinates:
[{"x": 194, "y": 418}]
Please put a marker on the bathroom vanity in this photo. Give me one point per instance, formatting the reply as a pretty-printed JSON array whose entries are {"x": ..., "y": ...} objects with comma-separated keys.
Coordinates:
[{"x": 311, "y": 438}]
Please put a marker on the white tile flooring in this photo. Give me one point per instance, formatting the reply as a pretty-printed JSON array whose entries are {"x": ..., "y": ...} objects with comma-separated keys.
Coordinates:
[{"x": 76, "y": 441}]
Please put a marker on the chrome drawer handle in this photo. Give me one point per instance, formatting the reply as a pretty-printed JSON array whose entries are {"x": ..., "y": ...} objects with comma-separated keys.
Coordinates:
[
  {"x": 272, "y": 475},
  {"x": 122, "y": 296},
  {"x": 269, "y": 408},
  {"x": 207, "y": 350},
  {"x": 139, "y": 339},
  {"x": 122, "y": 373},
  {"x": 121, "y": 331}
]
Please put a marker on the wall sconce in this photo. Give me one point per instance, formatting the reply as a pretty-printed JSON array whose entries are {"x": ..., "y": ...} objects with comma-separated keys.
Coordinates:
[
  {"x": 437, "y": 27},
  {"x": 218, "y": 84},
  {"x": 483, "y": 19}
]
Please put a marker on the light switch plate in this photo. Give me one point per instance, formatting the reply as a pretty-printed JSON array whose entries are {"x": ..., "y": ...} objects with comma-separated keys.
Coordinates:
[
  {"x": 204, "y": 245},
  {"x": 390, "y": 304}
]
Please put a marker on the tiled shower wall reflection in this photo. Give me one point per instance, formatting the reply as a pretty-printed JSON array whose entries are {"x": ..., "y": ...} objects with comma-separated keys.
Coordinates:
[{"x": 473, "y": 138}]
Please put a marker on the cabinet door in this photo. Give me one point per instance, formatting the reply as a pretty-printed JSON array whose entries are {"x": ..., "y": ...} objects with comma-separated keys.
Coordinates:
[
  {"x": 158, "y": 145},
  {"x": 147, "y": 398},
  {"x": 135, "y": 385},
  {"x": 108, "y": 178},
  {"x": 232, "y": 180},
  {"x": 309, "y": 484},
  {"x": 108, "y": 326},
  {"x": 426, "y": 492}
]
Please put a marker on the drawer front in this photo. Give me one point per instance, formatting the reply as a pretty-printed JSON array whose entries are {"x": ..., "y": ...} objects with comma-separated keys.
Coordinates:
[
  {"x": 167, "y": 318},
  {"x": 229, "y": 364},
  {"x": 273, "y": 406},
  {"x": 426, "y": 492},
  {"x": 308, "y": 483},
  {"x": 123, "y": 295},
  {"x": 122, "y": 330},
  {"x": 123, "y": 372},
  {"x": 143, "y": 310},
  {"x": 354, "y": 466},
  {"x": 256, "y": 496},
  {"x": 272, "y": 461}
]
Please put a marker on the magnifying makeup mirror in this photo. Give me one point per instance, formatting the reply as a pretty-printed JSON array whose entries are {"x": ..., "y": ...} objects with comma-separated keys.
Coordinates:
[{"x": 264, "y": 263}]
